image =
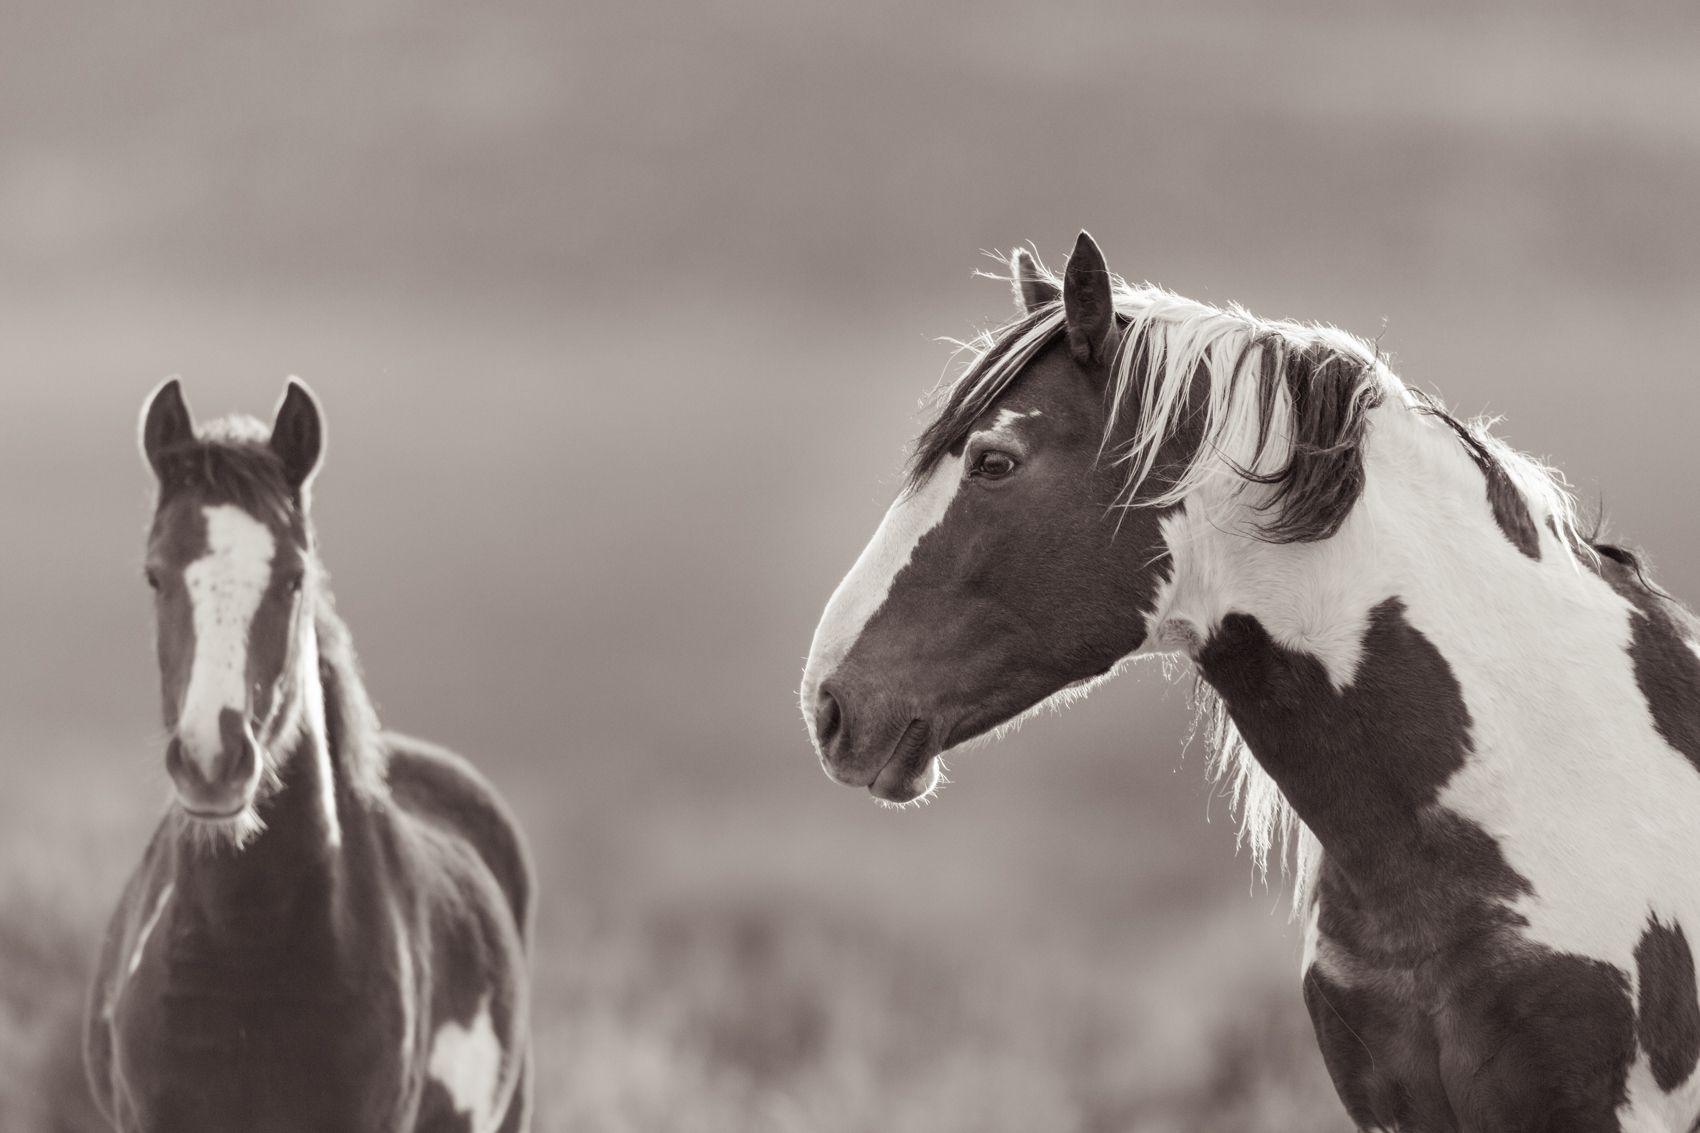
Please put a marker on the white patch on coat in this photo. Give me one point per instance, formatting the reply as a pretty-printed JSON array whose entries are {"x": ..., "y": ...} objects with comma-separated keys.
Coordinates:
[
  {"x": 226, "y": 586},
  {"x": 310, "y": 725},
  {"x": 865, "y": 588},
  {"x": 467, "y": 1062},
  {"x": 409, "y": 989},
  {"x": 1567, "y": 770},
  {"x": 148, "y": 927},
  {"x": 139, "y": 949}
]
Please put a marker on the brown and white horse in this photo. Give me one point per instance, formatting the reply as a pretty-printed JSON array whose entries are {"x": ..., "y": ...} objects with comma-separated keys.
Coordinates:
[
  {"x": 1481, "y": 730},
  {"x": 329, "y": 928}
]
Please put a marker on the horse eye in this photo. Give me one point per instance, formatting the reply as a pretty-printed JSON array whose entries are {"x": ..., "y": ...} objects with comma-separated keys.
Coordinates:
[
  {"x": 994, "y": 465},
  {"x": 153, "y": 578},
  {"x": 295, "y": 581}
]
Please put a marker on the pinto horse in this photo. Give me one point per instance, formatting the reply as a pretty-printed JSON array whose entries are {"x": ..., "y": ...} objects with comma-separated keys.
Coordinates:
[
  {"x": 329, "y": 928},
  {"x": 1479, "y": 731}
]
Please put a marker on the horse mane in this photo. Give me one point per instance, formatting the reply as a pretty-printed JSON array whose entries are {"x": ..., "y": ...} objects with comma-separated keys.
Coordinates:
[
  {"x": 351, "y": 719},
  {"x": 230, "y": 460},
  {"x": 1282, "y": 410},
  {"x": 1285, "y": 405}
]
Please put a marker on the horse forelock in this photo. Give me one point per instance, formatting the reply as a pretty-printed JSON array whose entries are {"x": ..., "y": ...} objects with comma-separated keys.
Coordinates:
[{"x": 230, "y": 461}]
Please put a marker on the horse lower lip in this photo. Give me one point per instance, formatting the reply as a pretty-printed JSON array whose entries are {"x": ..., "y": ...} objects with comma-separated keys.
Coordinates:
[
  {"x": 907, "y": 759},
  {"x": 213, "y": 815}
]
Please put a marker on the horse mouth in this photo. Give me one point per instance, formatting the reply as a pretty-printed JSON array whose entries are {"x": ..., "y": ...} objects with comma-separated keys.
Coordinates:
[{"x": 912, "y": 768}]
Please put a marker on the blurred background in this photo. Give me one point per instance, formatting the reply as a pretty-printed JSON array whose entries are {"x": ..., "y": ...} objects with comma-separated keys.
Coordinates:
[{"x": 621, "y": 315}]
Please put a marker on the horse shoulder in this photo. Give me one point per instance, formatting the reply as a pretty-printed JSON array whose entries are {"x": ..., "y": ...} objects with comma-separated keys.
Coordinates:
[
  {"x": 444, "y": 790},
  {"x": 476, "y": 930},
  {"x": 125, "y": 935}
]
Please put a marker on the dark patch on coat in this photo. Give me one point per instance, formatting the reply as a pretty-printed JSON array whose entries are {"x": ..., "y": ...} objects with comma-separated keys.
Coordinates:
[
  {"x": 1431, "y": 1009},
  {"x": 1667, "y": 671},
  {"x": 1510, "y": 509},
  {"x": 1668, "y": 1023}
]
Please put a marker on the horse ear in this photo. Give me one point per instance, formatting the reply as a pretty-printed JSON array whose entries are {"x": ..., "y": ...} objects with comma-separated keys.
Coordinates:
[
  {"x": 1032, "y": 283},
  {"x": 1088, "y": 307},
  {"x": 166, "y": 423},
  {"x": 298, "y": 434}
]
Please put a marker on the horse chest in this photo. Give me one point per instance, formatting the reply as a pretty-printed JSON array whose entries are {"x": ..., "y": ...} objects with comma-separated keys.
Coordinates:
[
  {"x": 1486, "y": 1032},
  {"x": 294, "y": 1045}
]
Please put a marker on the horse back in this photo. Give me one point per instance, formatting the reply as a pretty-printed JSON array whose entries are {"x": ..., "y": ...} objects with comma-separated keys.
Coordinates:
[{"x": 435, "y": 786}]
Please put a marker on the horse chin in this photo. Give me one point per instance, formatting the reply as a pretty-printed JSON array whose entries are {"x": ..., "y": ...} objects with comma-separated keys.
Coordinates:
[
  {"x": 912, "y": 773},
  {"x": 214, "y": 832}
]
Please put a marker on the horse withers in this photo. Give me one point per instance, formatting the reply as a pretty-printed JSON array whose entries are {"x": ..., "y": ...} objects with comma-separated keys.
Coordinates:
[
  {"x": 329, "y": 928},
  {"x": 1480, "y": 730}
]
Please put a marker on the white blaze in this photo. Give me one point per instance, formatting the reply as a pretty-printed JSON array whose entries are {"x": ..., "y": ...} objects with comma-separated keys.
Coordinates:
[
  {"x": 864, "y": 589},
  {"x": 467, "y": 1061},
  {"x": 225, "y": 587}
]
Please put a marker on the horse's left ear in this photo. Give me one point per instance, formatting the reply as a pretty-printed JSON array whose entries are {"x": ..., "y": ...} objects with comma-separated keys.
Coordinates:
[
  {"x": 1088, "y": 307},
  {"x": 298, "y": 434},
  {"x": 1033, "y": 286}
]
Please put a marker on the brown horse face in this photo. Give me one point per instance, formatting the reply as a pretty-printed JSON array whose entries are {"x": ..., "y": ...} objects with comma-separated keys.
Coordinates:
[
  {"x": 227, "y": 561},
  {"x": 1004, "y": 575}
]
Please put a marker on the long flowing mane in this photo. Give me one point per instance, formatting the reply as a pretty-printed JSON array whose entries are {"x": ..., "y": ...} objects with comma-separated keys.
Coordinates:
[
  {"x": 229, "y": 460},
  {"x": 1282, "y": 410}
]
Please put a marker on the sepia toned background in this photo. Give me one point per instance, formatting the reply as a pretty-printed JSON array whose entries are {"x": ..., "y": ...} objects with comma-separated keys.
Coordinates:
[{"x": 621, "y": 317}]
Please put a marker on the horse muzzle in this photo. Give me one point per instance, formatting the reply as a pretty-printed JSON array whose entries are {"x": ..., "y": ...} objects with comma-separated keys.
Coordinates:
[
  {"x": 894, "y": 757},
  {"x": 216, "y": 785}
]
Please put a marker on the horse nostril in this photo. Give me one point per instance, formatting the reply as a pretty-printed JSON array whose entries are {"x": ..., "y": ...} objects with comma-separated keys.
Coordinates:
[
  {"x": 243, "y": 765},
  {"x": 175, "y": 765},
  {"x": 829, "y": 718}
]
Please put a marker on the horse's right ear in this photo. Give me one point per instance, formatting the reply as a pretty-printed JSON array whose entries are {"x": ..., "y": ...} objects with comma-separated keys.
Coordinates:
[
  {"x": 166, "y": 423},
  {"x": 1088, "y": 303}
]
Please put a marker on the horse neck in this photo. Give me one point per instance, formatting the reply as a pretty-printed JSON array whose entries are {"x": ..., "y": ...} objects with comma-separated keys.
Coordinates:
[
  {"x": 295, "y": 866},
  {"x": 1417, "y": 652}
]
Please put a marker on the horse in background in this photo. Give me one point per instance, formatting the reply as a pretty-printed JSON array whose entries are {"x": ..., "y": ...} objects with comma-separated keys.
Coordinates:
[
  {"x": 1478, "y": 731},
  {"x": 329, "y": 929}
]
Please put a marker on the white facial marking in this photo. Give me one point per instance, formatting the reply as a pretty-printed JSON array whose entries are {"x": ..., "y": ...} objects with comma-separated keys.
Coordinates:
[
  {"x": 864, "y": 589},
  {"x": 1003, "y": 423},
  {"x": 467, "y": 1060},
  {"x": 225, "y": 587}
]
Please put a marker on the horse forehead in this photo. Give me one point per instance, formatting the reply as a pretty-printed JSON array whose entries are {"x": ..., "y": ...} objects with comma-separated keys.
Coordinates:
[
  {"x": 228, "y": 579},
  {"x": 195, "y": 529},
  {"x": 236, "y": 540},
  {"x": 1008, "y": 420}
]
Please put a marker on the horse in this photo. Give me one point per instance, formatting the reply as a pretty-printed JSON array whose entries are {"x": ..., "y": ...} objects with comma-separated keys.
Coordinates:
[
  {"x": 1472, "y": 730},
  {"x": 330, "y": 926}
]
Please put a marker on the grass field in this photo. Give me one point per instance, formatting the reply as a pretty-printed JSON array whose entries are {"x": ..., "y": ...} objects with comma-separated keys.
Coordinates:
[{"x": 620, "y": 319}]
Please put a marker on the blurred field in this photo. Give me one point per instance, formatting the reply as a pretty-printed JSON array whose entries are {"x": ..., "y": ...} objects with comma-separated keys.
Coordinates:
[{"x": 620, "y": 317}]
